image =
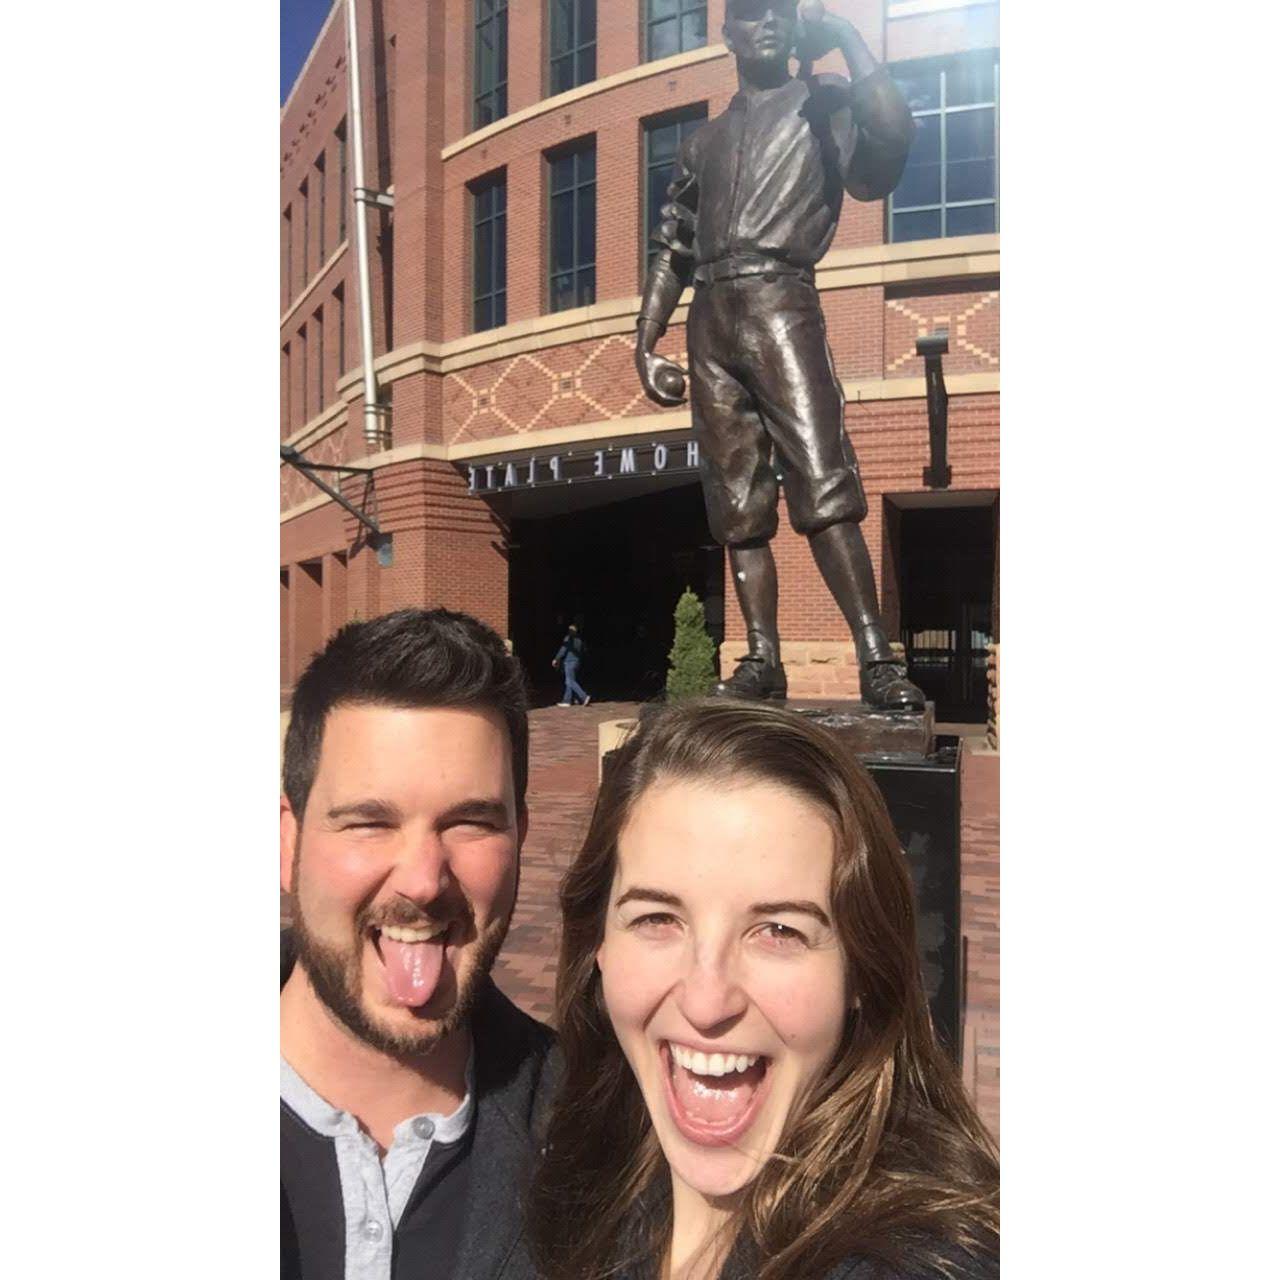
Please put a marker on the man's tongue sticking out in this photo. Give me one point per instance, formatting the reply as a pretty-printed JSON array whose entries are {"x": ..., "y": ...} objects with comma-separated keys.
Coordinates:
[{"x": 412, "y": 969}]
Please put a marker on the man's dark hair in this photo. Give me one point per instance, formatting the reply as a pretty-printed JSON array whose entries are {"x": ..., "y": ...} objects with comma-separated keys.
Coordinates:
[{"x": 410, "y": 658}]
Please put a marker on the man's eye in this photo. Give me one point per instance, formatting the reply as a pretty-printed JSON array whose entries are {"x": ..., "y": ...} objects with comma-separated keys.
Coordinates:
[{"x": 367, "y": 826}]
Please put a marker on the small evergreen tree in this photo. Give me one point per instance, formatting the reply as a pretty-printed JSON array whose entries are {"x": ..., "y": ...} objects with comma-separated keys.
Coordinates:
[{"x": 692, "y": 673}]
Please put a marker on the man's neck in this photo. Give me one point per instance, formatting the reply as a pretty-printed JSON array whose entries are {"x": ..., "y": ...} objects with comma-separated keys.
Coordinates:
[
  {"x": 758, "y": 76},
  {"x": 379, "y": 1090}
]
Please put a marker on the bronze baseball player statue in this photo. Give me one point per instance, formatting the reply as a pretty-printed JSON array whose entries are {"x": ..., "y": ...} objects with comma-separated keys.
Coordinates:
[{"x": 753, "y": 206}]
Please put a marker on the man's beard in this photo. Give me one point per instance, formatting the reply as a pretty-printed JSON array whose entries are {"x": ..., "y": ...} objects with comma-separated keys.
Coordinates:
[{"x": 337, "y": 979}]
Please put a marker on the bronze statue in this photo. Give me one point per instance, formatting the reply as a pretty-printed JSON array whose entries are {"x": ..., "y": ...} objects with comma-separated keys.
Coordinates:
[{"x": 753, "y": 206}]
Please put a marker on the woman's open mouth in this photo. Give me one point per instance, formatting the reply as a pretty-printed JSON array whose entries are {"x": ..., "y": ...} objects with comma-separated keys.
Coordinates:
[
  {"x": 412, "y": 960},
  {"x": 713, "y": 1098}
]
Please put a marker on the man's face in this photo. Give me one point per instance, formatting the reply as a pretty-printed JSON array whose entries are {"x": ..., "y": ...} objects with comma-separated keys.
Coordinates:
[
  {"x": 760, "y": 30},
  {"x": 404, "y": 868}
]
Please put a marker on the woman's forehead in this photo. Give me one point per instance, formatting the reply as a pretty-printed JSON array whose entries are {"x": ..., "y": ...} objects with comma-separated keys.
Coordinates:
[{"x": 739, "y": 840}]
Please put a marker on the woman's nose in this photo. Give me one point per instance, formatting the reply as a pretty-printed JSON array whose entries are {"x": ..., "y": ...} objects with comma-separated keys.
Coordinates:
[{"x": 710, "y": 993}]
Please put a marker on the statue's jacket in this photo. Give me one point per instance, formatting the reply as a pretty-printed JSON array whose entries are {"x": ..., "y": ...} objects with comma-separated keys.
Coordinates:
[{"x": 768, "y": 176}]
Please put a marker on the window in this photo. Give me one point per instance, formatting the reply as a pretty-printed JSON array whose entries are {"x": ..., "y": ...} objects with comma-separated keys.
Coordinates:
[
  {"x": 572, "y": 256},
  {"x": 286, "y": 265},
  {"x": 673, "y": 26},
  {"x": 662, "y": 140},
  {"x": 306, "y": 234},
  {"x": 342, "y": 181},
  {"x": 340, "y": 306},
  {"x": 286, "y": 416},
  {"x": 320, "y": 184},
  {"x": 302, "y": 367},
  {"x": 317, "y": 337},
  {"x": 491, "y": 62},
  {"x": 489, "y": 252},
  {"x": 951, "y": 183},
  {"x": 573, "y": 43}
]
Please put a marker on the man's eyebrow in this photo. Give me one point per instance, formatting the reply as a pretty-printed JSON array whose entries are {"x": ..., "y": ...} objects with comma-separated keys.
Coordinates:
[
  {"x": 649, "y": 895},
  {"x": 369, "y": 810},
  {"x": 802, "y": 907},
  {"x": 478, "y": 809}
]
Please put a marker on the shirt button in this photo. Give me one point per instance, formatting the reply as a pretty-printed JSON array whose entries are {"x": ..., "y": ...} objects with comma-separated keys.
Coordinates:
[
  {"x": 372, "y": 1229},
  {"x": 423, "y": 1127}
]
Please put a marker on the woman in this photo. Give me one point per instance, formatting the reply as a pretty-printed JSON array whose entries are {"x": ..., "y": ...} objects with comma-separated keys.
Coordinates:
[{"x": 752, "y": 1087}]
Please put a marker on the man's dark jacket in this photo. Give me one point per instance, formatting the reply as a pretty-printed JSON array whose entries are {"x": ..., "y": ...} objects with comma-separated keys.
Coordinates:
[{"x": 516, "y": 1073}]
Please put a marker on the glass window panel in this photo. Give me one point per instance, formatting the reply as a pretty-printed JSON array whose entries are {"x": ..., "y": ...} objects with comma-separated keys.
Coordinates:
[
  {"x": 586, "y": 287},
  {"x": 971, "y": 135},
  {"x": 587, "y": 64},
  {"x": 659, "y": 179},
  {"x": 917, "y": 226},
  {"x": 587, "y": 224},
  {"x": 663, "y": 141},
  {"x": 500, "y": 253},
  {"x": 562, "y": 73},
  {"x": 587, "y": 165},
  {"x": 971, "y": 220},
  {"x": 484, "y": 258},
  {"x": 664, "y": 39},
  {"x": 970, "y": 180},
  {"x": 561, "y": 292},
  {"x": 920, "y": 86},
  {"x": 971, "y": 80},
  {"x": 586, "y": 21},
  {"x": 693, "y": 30},
  {"x": 561, "y": 26},
  {"x": 663, "y": 9},
  {"x": 482, "y": 316},
  {"x": 562, "y": 232},
  {"x": 561, "y": 173},
  {"x": 500, "y": 308}
]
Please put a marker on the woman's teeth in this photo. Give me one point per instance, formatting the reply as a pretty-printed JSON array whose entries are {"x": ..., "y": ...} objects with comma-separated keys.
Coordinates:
[
  {"x": 399, "y": 933},
  {"x": 711, "y": 1064}
]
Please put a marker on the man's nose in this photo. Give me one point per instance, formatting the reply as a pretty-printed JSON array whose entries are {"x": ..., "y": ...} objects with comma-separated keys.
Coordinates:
[
  {"x": 421, "y": 871},
  {"x": 710, "y": 993}
]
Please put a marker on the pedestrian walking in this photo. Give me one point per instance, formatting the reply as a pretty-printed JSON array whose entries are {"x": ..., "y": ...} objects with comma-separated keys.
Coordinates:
[{"x": 570, "y": 655}]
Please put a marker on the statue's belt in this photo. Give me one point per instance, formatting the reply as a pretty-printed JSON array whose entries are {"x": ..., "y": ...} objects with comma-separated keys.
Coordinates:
[{"x": 744, "y": 265}]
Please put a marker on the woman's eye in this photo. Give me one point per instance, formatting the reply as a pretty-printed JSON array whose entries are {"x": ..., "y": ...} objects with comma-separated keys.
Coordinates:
[
  {"x": 782, "y": 937},
  {"x": 655, "y": 923}
]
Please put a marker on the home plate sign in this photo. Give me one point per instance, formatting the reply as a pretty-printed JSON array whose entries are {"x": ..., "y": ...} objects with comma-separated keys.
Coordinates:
[{"x": 582, "y": 464}]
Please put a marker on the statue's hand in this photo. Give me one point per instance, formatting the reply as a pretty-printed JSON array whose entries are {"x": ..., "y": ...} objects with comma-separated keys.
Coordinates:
[
  {"x": 818, "y": 32},
  {"x": 663, "y": 380}
]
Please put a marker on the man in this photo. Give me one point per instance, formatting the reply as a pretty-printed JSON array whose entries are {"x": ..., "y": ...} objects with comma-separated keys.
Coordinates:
[
  {"x": 754, "y": 203},
  {"x": 409, "y": 1085},
  {"x": 570, "y": 653}
]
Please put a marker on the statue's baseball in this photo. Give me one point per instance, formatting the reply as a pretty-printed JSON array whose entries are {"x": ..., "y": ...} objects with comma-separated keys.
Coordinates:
[
  {"x": 669, "y": 379},
  {"x": 811, "y": 11}
]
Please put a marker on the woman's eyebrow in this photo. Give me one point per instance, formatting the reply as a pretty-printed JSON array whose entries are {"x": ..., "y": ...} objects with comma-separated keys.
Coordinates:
[
  {"x": 804, "y": 908},
  {"x": 649, "y": 895}
]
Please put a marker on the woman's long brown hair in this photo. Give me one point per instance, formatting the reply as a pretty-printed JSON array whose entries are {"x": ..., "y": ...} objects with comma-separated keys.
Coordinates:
[{"x": 886, "y": 1157}]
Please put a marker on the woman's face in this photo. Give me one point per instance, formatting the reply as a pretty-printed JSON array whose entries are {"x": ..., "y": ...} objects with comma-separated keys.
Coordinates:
[{"x": 722, "y": 973}]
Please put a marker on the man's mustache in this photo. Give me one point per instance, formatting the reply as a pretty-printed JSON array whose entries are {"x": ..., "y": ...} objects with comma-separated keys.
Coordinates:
[{"x": 403, "y": 912}]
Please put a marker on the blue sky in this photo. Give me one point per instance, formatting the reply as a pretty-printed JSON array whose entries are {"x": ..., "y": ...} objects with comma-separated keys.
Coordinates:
[{"x": 300, "y": 23}]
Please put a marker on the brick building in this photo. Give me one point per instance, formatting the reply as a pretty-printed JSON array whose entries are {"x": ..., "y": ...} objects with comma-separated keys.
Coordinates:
[{"x": 517, "y": 471}]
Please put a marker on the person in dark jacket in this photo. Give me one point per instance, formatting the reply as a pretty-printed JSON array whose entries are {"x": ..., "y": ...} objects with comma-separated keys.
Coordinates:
[
  {"x": 411, "y": 1089},
  {"x": 569, "y": 657},
  {"x": 752, "y": 1086}
]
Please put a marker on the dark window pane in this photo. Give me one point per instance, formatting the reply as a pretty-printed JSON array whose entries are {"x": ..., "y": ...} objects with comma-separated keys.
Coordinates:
[
  {"x": 663, "y": 9},
  {"x": 971, "y": 135},
  {"x": 663, "y": 142},
  {"x": 587, "y": 165},
  {"x": 659, "y": 180},
  {"x": 500, "y": 253},
  {"x": 587, "y": 224},
  {"x": 971, "y": 80},
  {"x": 484, "y": 258},
  {"x": 917, "y": 226},
  {"x": 586, "y": 287},
  {"x": 500, "y": 308},
  {"x": 561, "y": 292},
  {"x": 971, "y": 220},
  {"x": 586, "y": 21},
  {"x": 664, "y": 39},
  {"x": 971, "y": 180},
  {"x": 481, "y": 315},
  {"x": 920, "y": 86},
  {"x": 561, "y": 26},
  {"x": 693, "y": 30},
  {"x": 561, "y": 173},
  {"x": 587, "y": 64},
  {"x": 562, "y": 232},
  {"x": 921, "y": 179},
  {"x": 562, "y": 73}
]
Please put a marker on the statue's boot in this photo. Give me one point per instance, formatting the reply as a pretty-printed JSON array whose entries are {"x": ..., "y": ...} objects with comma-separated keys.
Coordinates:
[
  {"x": 841, "y": 553},
  {"x": 759, "y": 676}
]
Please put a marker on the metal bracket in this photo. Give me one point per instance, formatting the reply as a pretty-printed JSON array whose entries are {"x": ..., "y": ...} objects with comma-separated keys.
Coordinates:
[
  {"x": 290, "y": 455},
  {"x": 379, "y": 199},
  {"x": 937, "y": 475}
]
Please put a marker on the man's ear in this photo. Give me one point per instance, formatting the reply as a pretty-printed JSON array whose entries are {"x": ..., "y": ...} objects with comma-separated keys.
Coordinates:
[
  {"x": 522, "y": 827},
  {"x": 288, "y": 843}
]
